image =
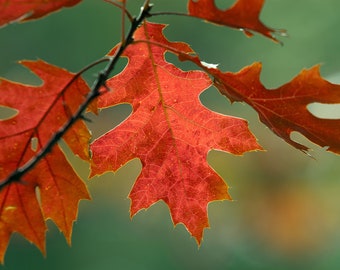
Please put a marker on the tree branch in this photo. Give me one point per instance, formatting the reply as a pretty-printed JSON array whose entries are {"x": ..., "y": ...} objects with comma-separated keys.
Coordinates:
[{"x": 16, "y": 176}]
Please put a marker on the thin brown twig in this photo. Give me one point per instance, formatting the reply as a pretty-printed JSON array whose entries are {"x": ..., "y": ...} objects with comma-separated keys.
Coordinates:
[
  {"x": 122, "y": 7},
  {"x": 160, "y": 13},
  {"x": 123, "y": 20},
  {"x": 169, "y": 48}
]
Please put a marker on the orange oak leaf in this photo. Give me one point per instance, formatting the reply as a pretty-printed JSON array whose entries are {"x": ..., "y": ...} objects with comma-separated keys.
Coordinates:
[
  {"x": 284, "y": 109},
  {"x": 18, "y": 10},
  {"x": 243, "y": 15},
  {"x": 170, "y": 131},
  {"x": 51, "y": 190}
]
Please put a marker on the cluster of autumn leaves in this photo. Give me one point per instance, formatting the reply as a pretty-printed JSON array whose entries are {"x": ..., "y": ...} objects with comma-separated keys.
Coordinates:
[{"x": 169, "y": 130}]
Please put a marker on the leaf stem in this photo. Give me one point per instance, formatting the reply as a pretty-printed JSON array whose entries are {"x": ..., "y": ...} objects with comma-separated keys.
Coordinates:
[
  {"x": 122, "y": 7},
  {"x": 171, "y": 13}
]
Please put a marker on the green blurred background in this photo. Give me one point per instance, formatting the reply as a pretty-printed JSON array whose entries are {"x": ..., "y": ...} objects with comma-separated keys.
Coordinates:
[{"x": 286, "y": 208}]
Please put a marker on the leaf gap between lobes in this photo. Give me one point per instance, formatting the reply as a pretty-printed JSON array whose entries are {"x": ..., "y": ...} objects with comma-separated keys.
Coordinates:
[
  {"x": 224, "y": 4},
  {"x": 38, "y": 195},
  {"x": 7, "y": 113},
  {"x": 324, "y": 111},
  {"x": 303, "y": 140},
  {"x": 34, "y": 144}
]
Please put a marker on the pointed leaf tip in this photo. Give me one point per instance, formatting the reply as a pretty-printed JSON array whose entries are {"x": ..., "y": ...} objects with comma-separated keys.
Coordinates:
[
  {"x": 243, "y": 15},
  {"x": 21, "y": 11}
]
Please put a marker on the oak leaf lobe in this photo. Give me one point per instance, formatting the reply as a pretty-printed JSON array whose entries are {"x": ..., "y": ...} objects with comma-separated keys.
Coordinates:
[
  {"x": 18, "y": 10},
  {"x": 284, "y": 109},
  {"x": 42, "y": 111},
  {"x": 243, "y": 15},
  {"x": 170, "y": 131}
]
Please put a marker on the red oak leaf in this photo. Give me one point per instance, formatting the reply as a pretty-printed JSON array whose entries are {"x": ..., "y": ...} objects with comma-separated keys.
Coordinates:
[
  {"x": 42, "y": 110},
  {"x": 169, "y": 131},
  {"x": 284, "y": 109},
  {"x": 18, "y": 10},
  {"x": 244, "y": 15}
]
